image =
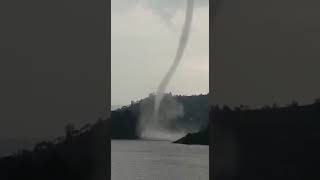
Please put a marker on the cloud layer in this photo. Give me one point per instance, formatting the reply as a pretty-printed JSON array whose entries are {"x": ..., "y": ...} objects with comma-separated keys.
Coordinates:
[{"x": 143, "y": 46}]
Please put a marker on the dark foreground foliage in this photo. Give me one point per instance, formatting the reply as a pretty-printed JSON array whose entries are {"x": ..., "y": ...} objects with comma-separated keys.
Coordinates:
[
  {"x": 267, "y": 143},
  {"x": 80, "y": 155}
]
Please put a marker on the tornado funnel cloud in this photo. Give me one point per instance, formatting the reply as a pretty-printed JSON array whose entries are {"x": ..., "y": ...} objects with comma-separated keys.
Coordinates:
[
  {"x": 151, "y": 124},
  {"x": 179, "y": 54}
]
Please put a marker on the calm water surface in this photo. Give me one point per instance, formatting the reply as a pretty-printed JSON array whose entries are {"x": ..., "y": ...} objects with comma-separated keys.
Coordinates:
[{"x": 158, "y": 160}]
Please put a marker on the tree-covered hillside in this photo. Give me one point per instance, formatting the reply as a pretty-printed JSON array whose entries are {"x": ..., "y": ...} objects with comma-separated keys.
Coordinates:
[
  {"x": 271, "y": 142},
  {"x": 188, "y": 113},
  {"x": 81, "y": 154}
]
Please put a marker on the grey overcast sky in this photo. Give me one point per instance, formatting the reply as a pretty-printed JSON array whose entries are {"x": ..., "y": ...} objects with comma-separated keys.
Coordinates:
[
  {"x": 144, "y": 39},
  {"x": 265, "y": 51},
  {"x": 53, "y": 65}
]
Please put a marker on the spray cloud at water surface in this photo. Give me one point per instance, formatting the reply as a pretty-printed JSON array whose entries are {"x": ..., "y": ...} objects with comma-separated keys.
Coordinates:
[
  {"x": 150, "y": 126},
  {"x": 166, "y": 126}
]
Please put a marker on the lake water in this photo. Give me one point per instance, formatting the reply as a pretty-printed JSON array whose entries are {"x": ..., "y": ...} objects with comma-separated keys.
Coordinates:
[{"x": 158, "y": 160}]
